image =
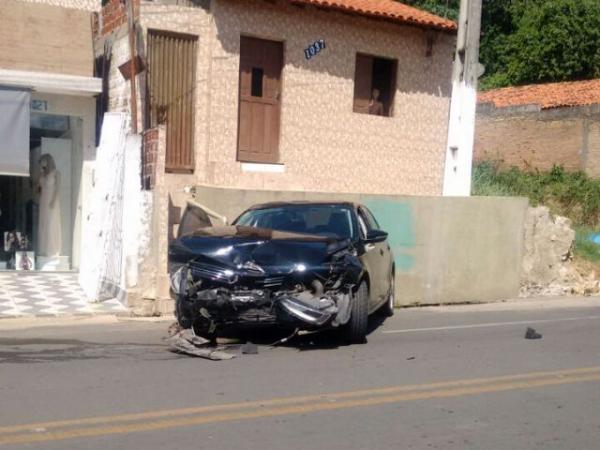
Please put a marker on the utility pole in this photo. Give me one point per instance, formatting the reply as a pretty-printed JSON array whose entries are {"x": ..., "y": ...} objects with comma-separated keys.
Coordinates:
[{"x": 463, "y": 105}]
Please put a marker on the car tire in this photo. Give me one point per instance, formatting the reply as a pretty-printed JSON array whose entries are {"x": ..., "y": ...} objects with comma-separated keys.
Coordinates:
[
  {"x": 355, "y": 330},
  {"x": 388, "y": 307},
  {"x": 182, "y": 314}
]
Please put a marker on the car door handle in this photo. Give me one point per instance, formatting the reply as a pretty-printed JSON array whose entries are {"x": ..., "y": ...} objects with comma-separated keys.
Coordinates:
[
  {"x": 381, "y": 251},
  {"x": 369, "y": 247}
]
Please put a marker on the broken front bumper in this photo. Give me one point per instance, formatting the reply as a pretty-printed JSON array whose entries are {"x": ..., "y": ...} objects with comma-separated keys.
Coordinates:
[
  {"x": 297, "y": 296},
  {"x": 223, "y": 307}
]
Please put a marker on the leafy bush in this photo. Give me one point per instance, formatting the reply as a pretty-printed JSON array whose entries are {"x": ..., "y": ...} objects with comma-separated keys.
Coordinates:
[{"x": 574, "y": 195}]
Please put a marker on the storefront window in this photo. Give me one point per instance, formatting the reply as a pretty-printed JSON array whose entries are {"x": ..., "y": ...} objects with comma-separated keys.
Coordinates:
[{"x": 37, "y": 212}]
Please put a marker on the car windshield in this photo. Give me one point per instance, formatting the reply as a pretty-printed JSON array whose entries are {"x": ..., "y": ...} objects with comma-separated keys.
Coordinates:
[{"x": 323, "y": 220}]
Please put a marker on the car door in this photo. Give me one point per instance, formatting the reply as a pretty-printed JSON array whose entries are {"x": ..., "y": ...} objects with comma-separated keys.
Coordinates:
[
  {"x": 387, "y": 253},
  {"x": 374, "y": 255}
]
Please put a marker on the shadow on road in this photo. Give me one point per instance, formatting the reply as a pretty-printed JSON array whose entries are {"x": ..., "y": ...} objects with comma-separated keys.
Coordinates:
[
  {"x": 322, "y": 340},
  {"x": 45, "y": 350},
  {"x": 42, "y": 350}
]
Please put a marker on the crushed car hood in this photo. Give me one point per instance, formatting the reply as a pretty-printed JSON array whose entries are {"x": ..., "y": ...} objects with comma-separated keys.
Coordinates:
[{"x": 255, "y": 249}]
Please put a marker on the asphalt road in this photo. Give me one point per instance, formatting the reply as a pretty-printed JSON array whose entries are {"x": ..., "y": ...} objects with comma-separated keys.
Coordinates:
[{"x": 447, "y": 378}]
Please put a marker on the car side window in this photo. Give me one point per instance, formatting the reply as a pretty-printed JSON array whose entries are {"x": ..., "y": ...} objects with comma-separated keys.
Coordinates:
[
  {"x": 362, "y": 225},
  {"x": 371, "y": 219},
  {"x": 363, "y": 222}
]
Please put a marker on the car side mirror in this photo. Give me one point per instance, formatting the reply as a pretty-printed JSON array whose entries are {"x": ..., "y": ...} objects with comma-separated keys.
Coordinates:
[{"x": 375, "y": 236}]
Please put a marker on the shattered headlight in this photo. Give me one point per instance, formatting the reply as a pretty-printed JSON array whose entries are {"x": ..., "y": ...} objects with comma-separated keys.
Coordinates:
[{"x": 178, "y": 280}]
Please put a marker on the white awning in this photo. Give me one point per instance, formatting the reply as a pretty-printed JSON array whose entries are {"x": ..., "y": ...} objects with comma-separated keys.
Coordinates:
[
  {"x": 51, "y": 83},
  {"x": 14, "y": 132}
]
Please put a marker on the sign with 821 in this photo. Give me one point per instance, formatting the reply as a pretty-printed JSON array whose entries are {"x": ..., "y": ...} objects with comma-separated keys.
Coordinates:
[{"x": 314, "y": 49}]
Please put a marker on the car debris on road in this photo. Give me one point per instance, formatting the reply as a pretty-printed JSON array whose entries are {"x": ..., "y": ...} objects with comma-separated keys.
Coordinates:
[
  {"x": 186, "y": 342},
  {"x": 532, "y": 334}
]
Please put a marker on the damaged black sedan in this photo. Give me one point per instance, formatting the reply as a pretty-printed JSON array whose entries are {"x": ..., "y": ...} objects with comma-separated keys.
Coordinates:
[{"x": 301, "y": 266}]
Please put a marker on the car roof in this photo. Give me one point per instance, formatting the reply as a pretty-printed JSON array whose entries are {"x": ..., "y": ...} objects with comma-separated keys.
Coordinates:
[{"x": 302, "y": 203}]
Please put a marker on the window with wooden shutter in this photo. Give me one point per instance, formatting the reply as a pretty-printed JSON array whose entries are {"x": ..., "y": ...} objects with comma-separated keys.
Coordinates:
[
  {"x": 171, "y": 87},
  {"x": 261, "y": 63},
  {"x": 374, "y": 85}
]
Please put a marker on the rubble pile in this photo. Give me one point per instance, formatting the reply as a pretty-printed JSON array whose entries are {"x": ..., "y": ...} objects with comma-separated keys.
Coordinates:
[{"x": 548, "y": 268}]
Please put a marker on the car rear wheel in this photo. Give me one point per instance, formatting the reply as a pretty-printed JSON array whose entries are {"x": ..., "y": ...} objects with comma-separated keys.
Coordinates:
[{"x": 356, "y": 328}]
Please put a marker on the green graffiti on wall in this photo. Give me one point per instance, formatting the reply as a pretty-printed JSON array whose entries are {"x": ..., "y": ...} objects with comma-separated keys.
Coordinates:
[{"x": 395, "y": 217}]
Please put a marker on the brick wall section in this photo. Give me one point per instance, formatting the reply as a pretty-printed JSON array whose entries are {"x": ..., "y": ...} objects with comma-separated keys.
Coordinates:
[
  {"x": 149, "y": 158},
  {"x": 114, "y": 14},
  {"x": 529, "y": 143},
  {"x": 592, "y": 160},
  {"x": 529, "y": 138}
]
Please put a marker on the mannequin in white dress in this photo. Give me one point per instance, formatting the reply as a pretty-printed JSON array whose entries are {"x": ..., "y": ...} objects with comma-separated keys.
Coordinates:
[{"x": 49, "y": 230}]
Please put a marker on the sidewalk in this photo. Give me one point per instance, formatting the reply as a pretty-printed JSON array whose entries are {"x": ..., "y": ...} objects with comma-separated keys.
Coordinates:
[{"x": 48, "y": 294}]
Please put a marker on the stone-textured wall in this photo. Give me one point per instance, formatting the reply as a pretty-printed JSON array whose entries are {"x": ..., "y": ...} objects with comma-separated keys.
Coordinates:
[
  {"x": 548, "y": 265},
  {"x": 37, "y": 36},
  {"x": 535, "y": 139},
  {"x": 324, "y": 145}
]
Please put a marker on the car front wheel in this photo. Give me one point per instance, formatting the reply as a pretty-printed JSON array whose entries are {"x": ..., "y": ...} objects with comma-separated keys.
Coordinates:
[
  {"x": 182, "y": 313},
  {"x": 356, "y": 328}
]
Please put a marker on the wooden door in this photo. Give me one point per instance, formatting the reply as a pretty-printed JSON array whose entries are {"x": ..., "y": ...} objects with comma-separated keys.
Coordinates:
[{"x": 261, "y": 62}]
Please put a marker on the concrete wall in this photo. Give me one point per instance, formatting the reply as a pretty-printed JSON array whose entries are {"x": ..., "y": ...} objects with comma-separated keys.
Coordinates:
[
  {"x": 530, "y": 138},
  {"x": 44, "y": 38},
  {"x": 86, "y": 5},
  {"x": 447, "y": 250}
]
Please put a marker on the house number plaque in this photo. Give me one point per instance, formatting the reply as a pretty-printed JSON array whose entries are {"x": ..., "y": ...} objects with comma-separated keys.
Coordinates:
[{"x": 314, "y": 49}]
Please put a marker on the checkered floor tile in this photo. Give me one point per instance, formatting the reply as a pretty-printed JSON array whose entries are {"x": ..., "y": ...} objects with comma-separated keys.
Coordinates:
[{"x": 47, "y": 294}]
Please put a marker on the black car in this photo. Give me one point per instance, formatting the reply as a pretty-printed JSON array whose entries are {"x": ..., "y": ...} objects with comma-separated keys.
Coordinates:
[{"x": 296, "y": 265}]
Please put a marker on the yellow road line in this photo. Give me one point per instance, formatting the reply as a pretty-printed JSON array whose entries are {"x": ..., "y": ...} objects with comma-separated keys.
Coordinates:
[
  {"x": 289, "y": 400},
  {"x": 279, "y": 407}
]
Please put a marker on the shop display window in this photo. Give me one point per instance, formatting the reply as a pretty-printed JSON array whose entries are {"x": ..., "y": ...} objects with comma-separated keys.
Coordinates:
[{"x": 37, "y": 213}]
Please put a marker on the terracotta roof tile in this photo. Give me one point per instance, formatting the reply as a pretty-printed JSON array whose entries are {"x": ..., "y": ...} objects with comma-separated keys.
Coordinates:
[
  {"x": 551, "y": 95},
  {"x": 385, "y": 9}
]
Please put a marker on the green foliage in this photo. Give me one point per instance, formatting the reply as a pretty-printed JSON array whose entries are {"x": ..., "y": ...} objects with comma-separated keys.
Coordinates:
[
  {"x": 533, "y": 41},
  {"x": 574, "y": 195},
  {"x": 556, "y": 41}
]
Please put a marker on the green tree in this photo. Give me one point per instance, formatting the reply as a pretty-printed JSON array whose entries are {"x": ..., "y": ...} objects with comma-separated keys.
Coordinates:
[
  {"x": 533, "y": 41},
  {"x": 554, "y": 40}
]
